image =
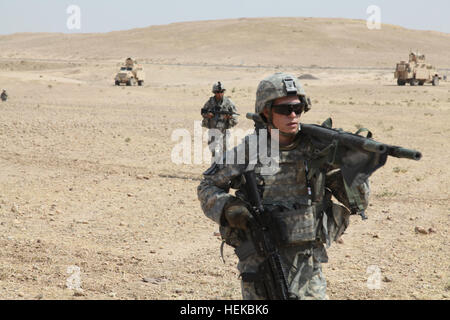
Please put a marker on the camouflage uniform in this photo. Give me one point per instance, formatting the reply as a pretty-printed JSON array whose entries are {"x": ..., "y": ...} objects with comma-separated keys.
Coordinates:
[
  {"x": 218, "y": 121},
  {"x": 298, "y": 196}
]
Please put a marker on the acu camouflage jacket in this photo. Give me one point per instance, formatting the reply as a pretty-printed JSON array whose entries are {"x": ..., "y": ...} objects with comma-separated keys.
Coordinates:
[
  {"x": 297, "y": 181},
  {"x": 219, "y": 121}
]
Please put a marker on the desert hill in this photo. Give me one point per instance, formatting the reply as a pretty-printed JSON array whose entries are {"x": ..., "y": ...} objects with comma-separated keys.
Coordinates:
[{"x": 260, "y": 41}]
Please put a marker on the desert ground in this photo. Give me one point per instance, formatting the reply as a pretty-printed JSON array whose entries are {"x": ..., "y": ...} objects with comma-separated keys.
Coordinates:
[{"x": 91, "y": 198}]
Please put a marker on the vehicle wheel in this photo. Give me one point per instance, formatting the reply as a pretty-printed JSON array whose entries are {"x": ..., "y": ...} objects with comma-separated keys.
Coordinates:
[
  {"x": 421, "y": 83},
  {"x": 129, "y": 82},
  {"x": 117, "y": 83},
  {"x": 400, "y": 82},
  {"x": 140, "y": 82},
  {"x": 413, "y": 82},
  {"x": 435, "y": 81}
]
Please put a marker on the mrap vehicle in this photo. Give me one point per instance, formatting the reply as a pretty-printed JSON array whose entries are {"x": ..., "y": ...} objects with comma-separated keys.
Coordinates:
[{"x": 416, "y": 71}]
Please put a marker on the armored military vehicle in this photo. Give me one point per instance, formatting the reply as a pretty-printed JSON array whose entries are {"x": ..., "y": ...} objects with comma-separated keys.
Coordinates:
[
  {"x": 130, "y": 74},
  {"x": 416, "y": 71}
]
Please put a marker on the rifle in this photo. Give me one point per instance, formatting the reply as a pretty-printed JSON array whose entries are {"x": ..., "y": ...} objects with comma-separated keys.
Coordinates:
[
  {"x": 271, "y": 270},
  {"x": 217, "y": 112},
  {"x": 337, "y": 145}
]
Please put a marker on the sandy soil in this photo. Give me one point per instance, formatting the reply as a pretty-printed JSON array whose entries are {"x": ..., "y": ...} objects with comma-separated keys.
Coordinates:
[{"x": 86, "y": 178}]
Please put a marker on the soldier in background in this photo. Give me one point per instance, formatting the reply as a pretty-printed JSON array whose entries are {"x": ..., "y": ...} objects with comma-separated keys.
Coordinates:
[
  {"x": 219, "y": 112},
  {"x": 297, "y": 195},
  {"x": 4, "y": 95}
]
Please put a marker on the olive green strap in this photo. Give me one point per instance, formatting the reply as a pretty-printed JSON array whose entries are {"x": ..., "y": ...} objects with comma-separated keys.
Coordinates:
[
  {"x": 354, "y": 198},
  {"x": 369, "y": 133}
]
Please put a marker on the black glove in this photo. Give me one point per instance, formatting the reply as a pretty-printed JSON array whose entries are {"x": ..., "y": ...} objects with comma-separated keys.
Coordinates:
[{"x": 236, "y": 214}]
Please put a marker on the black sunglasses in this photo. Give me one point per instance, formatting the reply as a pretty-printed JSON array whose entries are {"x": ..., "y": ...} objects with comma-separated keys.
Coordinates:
[{"x": 286, "y": 109}]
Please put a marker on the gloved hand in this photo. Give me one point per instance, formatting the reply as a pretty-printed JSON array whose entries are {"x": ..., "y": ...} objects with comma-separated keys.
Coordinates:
[{"x": 237, "y": 214}]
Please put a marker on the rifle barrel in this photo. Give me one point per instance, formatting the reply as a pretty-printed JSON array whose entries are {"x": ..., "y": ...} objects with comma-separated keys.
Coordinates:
[
  {"x": 351, "y": 140},
  {"x": 400, "y": 152},
  {"x": 346, "y": 138}
]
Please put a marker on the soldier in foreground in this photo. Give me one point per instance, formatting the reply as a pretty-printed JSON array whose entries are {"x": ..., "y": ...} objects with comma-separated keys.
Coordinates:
[
  {"x": 4, "y": 95},
  {"x": 219, "y": 113},
  {"x": 281, "y": 219}
]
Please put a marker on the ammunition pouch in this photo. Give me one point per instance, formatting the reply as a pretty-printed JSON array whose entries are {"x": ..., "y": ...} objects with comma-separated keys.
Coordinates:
[
  {"x": 294, "y": 227},
  {"x": 333, "y": 223}
]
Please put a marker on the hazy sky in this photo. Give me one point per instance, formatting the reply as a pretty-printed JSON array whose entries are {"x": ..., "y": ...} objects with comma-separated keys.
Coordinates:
[{"x": 110, "y": 15}]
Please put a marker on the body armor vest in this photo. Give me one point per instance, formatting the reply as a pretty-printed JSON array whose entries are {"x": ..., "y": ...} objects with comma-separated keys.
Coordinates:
[
  {"x": 292, "y": 195},
  {"x": 288, "y": 185}
]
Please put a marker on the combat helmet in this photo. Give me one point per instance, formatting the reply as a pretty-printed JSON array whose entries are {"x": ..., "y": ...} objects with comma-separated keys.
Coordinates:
[
  {"x": 276, "y": 86},
  {"x": 218, "y": 87}
]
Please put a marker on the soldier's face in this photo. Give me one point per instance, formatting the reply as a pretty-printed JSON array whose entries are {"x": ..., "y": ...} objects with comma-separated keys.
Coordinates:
[
  {"x": 287, "y": 123},
  {"x": 219, "y": 95}
]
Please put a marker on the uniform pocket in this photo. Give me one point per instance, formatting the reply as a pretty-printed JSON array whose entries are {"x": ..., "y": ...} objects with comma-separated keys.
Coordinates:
[
  {"x": 338, "y": 219},
  {"x": 295, "y": 226}
]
